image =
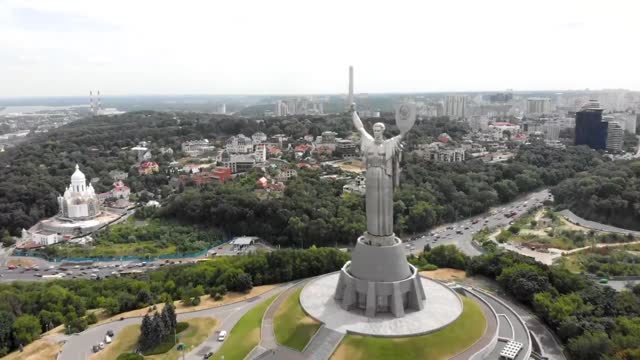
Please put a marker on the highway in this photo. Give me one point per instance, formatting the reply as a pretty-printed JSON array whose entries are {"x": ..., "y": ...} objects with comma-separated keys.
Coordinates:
[
  {"x": 461, "y": 232},
  {"x": 50, "y": 271}
]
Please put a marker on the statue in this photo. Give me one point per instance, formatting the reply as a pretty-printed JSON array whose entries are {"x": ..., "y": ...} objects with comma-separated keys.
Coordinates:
[{"x": 382, "y": 161}]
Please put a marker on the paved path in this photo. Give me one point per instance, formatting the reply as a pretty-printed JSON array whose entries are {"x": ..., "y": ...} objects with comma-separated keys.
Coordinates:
[
  {"x": 569, "y": 215},
  {"x": 323, "y": 344},
  {"x": 548, "y": 342},
  {"x": 78, "y": 347},
  {"x": 492, "y": 326}
]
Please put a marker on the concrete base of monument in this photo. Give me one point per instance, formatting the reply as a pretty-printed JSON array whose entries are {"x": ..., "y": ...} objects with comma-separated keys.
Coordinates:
[{"x": 442, "y": 307}]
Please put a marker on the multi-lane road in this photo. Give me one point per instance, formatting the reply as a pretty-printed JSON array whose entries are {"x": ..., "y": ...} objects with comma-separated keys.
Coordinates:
[
  {"x": 461, "y": 232},
  {"x": 43, "y": 270}
]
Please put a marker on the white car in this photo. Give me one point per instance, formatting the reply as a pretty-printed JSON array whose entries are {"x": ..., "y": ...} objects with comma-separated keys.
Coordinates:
[
  {"x": 107, "y": 339},
  {"x": 101, "y": 345},
  {"x": 222, "y": 335}
]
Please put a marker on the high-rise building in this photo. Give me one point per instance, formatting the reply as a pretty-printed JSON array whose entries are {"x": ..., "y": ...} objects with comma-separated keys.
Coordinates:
[
  {"x": 551, "y": 132},
  {"x": 455, "y": 106},
  {"x": 615, "y": 136},
  {"x": 590, "y": 129},
  {"x": 538, "y": 106}
]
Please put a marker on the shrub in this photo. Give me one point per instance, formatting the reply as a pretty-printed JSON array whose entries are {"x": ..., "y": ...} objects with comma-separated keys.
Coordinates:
[
  {"x": 130, "y": 356},
  {"x": 92, "y": 318},
  {"x": 514, "y": 229}
]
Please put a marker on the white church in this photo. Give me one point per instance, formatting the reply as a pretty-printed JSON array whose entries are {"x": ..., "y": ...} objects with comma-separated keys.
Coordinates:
[
  {"x": 79, "y": 200},
  {"x": 80, "y": 214}
]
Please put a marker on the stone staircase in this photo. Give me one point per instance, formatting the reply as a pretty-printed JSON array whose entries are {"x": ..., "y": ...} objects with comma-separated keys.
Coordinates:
[{"x": 323, "y": 344}]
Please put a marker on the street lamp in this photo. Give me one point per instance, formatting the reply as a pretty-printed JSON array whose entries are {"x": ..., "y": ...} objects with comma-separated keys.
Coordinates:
[{"x": 182, "y": 347}]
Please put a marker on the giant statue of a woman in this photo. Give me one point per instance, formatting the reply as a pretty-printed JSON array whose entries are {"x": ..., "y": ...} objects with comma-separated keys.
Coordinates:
[{"x": 381, "y": 159}]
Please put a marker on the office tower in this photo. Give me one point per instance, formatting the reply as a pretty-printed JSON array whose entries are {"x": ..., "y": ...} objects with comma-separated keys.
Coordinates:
[
  {"x": 538, "y": 106},
  {"x": 615, "y": 136},
  {"x": 455, "y": 106},
  {"x": 590, "y": 129}
]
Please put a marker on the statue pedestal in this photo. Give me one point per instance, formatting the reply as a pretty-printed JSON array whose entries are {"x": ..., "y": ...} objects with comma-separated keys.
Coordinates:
[{"x": 378, "y": 279}]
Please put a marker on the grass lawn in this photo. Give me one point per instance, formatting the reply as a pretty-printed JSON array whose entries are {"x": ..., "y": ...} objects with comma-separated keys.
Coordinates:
[
  {"x": 126, "y": 340},
  {"x": 245, "y": 335},
  {"x": 292, "y": 326},
  {"x": 443, "y": 344},
  {"x": 198, "y": 331},
  {"x": 41, "y": 349}
]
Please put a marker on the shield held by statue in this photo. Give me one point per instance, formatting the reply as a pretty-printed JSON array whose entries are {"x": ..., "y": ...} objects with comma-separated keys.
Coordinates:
[{"x": 405, "y": 116}]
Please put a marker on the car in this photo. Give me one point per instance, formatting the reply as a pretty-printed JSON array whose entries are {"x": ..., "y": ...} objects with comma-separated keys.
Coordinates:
[
  {"x": 51, "y": 267},
  {"x": 107, "y": 339},
  {"x": 110, "y": 333},
  {"x": 222, "y": 335},
  {"x": 101, "y": 345},
  {"x": 208, "y": 355},
  {"x": 11, "y": 267},
  {"x": 94, "y": 276},
  {"x": 76, "y": 267},
  {"x": 96, "y": 348},
  {"x": 459, "y": 232}
]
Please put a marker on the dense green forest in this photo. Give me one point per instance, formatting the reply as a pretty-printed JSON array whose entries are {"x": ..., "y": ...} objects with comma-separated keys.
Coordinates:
[
  {"x": 593, "y": 321},
  {"x": 29, "y": 308},
  {"x": 32, "y": 174},
  {"x": 315, "y": 211},
  {"x": 609, "y": 193}
]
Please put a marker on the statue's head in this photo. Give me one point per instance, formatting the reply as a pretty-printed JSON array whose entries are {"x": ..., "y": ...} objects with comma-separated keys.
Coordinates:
[{"x": 378, "y": 131}]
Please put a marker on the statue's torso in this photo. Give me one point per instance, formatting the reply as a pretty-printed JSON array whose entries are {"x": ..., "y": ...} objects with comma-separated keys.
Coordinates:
[{"x": 376, "y": 155}]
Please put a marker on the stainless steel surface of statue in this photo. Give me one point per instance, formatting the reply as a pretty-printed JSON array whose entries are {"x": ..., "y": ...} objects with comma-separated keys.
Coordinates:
[{"x": 382, "y": 161}]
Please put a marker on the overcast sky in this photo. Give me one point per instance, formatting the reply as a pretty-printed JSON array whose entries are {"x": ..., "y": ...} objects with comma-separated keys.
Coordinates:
[{"x": 66, "y": 47}]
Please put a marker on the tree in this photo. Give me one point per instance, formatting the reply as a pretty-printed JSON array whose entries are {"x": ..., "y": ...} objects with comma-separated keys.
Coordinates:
[
  {"x": 590, "y": 346},
  {"x": 26, "y": 328},
  {"x": 169, "y": 318},
  {"x": 75, "y": 325},
  {"x": 6, "y": 337},
  {"x": 191, "y": 296},
  {"x": 523, "y": 281},
  {"x": 447, "y": 256},
  {"x": 146, "y": 340},
  {"x": 7, "y": 239}
]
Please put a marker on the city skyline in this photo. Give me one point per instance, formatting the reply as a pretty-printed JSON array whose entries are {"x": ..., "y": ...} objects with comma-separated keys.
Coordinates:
[{"x": 64, "y": 48}]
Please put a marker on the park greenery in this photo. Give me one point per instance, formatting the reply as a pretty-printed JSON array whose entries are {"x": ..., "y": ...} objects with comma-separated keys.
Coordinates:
[
  {"x": 149, "y": 239},
  {"x": 609, "y": 194},
  {"x": 27, "y": 309},
  {"x": 605, "y": 261},
  {"x": 594, "y": 322}
]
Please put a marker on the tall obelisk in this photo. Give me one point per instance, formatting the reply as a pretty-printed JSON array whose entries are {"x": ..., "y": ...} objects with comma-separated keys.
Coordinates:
[{"x": 350, "y": 99}]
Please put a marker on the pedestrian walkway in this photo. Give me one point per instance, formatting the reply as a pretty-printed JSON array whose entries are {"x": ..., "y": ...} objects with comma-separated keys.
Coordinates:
[{"x": 323, "y": 344}]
